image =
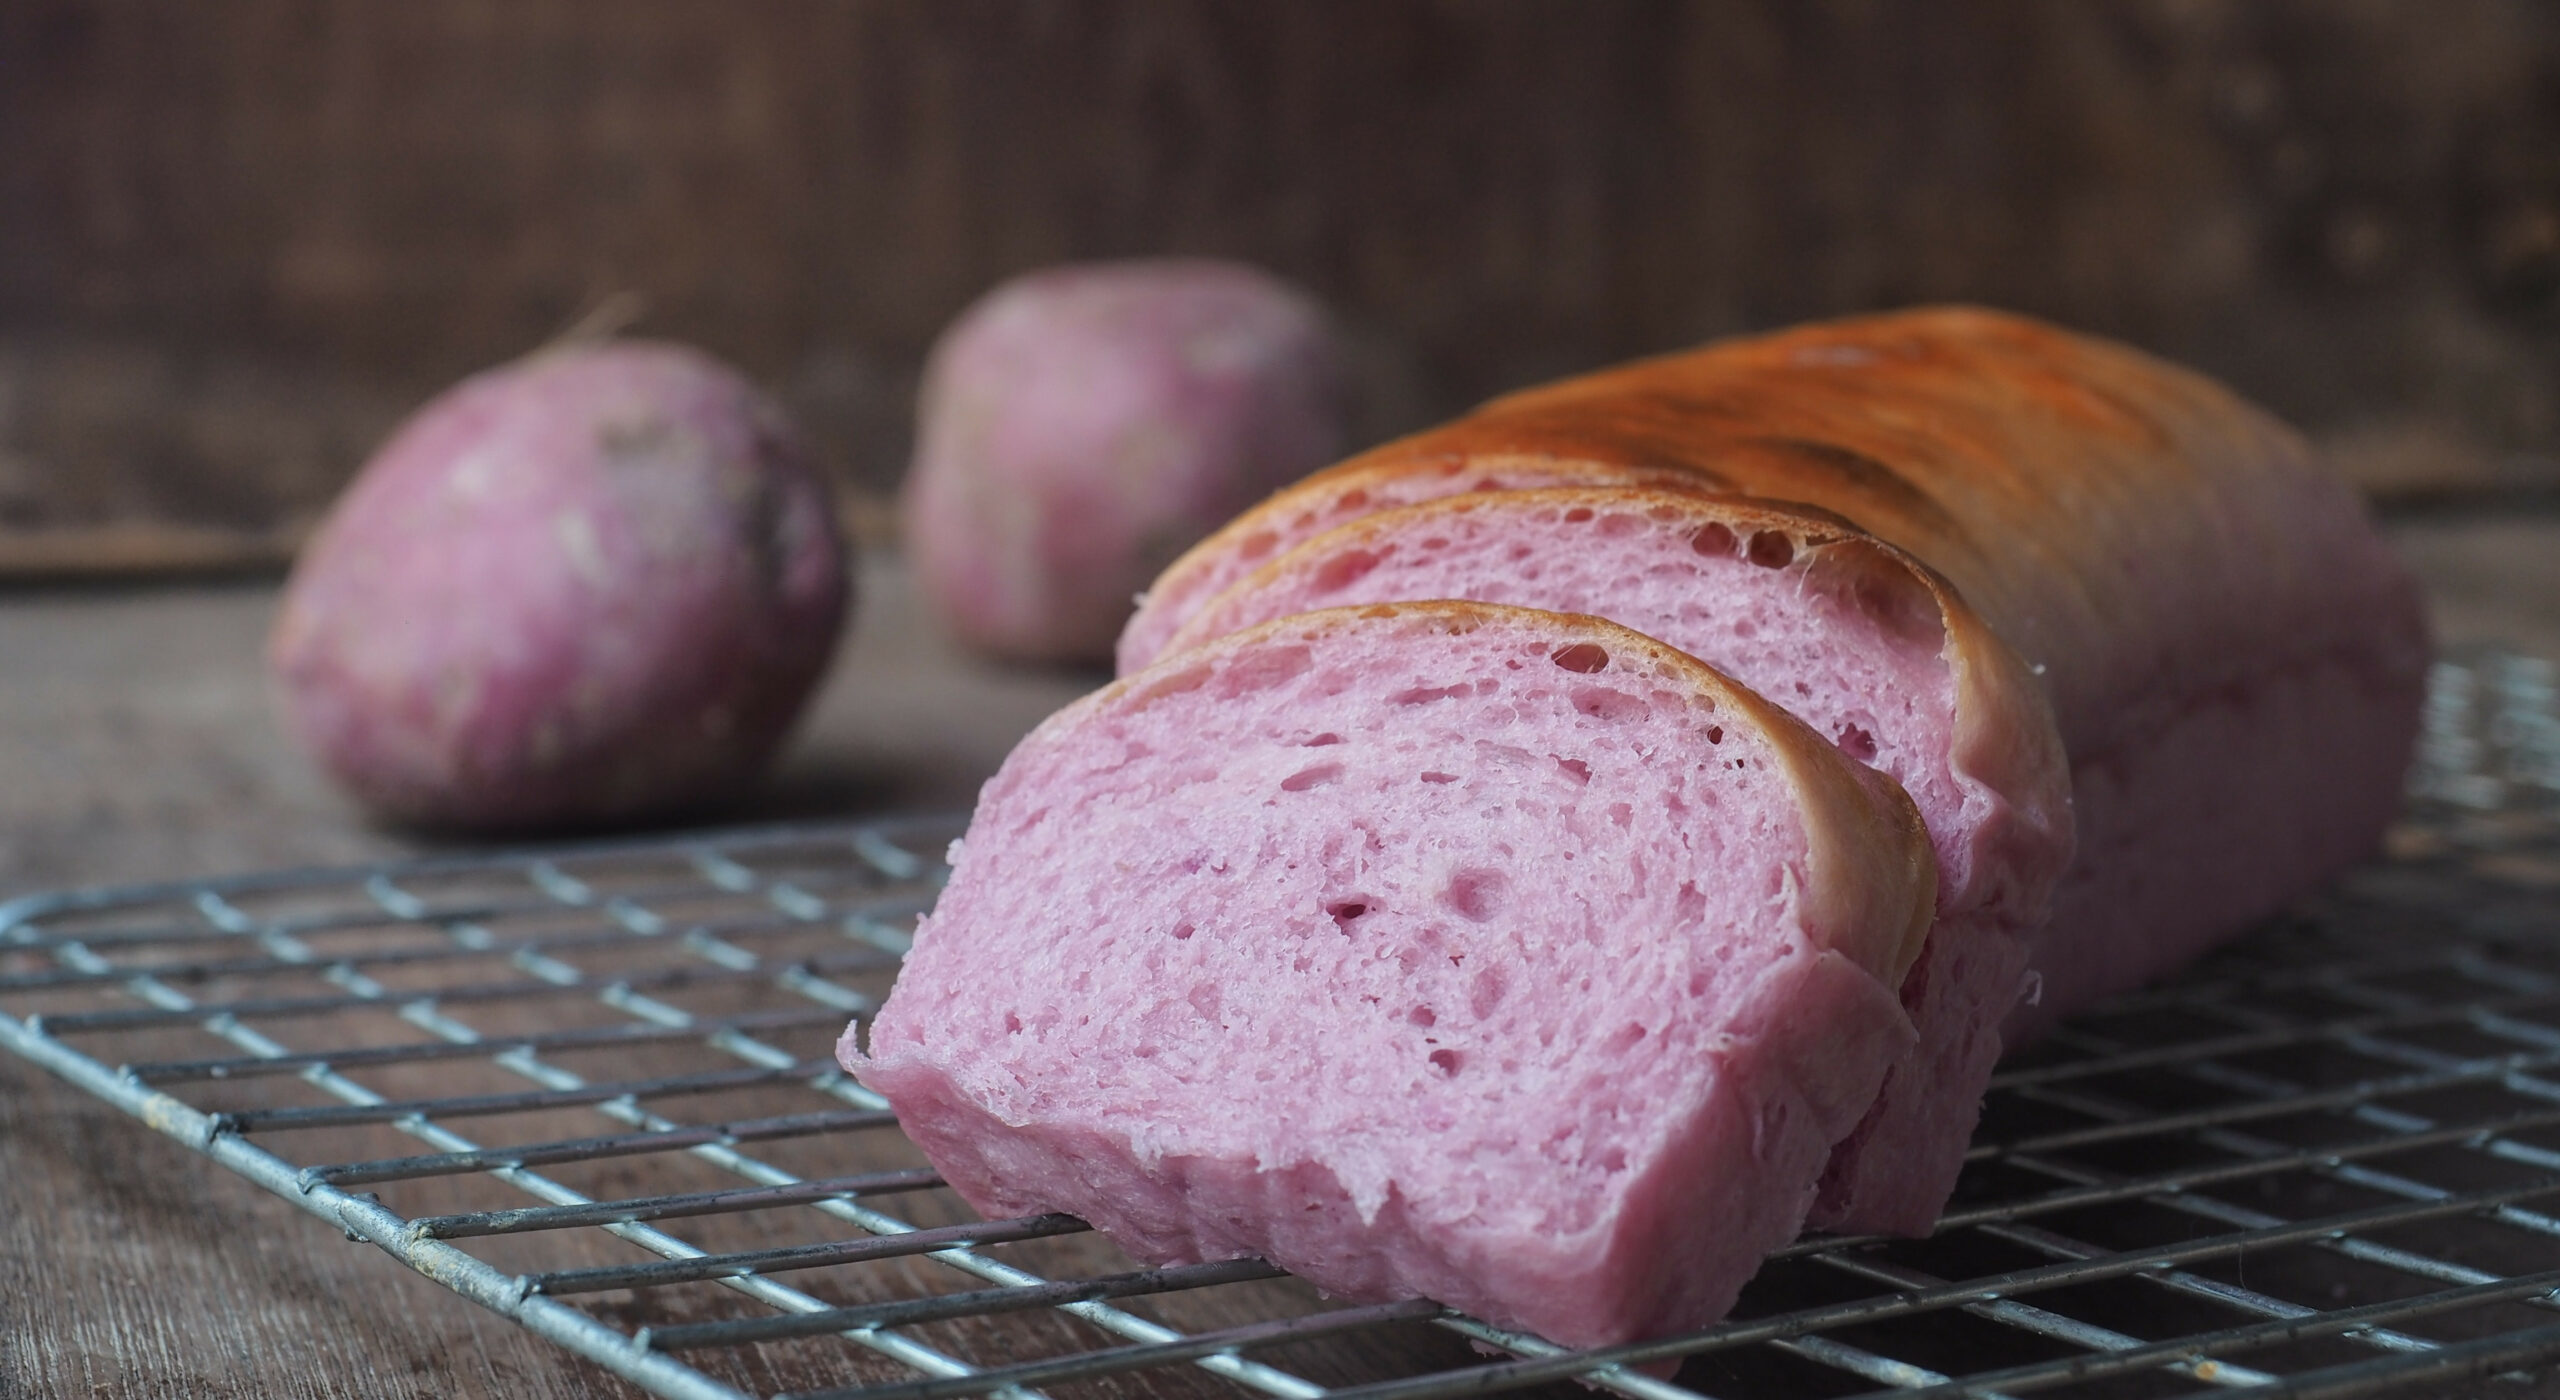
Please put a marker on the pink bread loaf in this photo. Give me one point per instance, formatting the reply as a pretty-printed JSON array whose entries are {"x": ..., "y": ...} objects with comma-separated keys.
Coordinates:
[
  {"x": 2234, "y": 660},
  {"x": 1854, "y": 637},
  {"x": 1503, "y": 957}
]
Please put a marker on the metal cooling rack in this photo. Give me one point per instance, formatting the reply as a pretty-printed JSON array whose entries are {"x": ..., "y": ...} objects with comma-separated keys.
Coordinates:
[{"x": 590, "y": 1089}]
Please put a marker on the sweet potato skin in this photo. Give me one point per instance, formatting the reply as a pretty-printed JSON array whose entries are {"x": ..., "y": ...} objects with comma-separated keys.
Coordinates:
[
  {"x": 1081, "y": 425},
  {"x": 594, "y": 586}
]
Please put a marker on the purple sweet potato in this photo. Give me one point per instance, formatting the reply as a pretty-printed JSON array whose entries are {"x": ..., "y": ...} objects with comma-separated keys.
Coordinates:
[
  {"x": 1081, "y": 426},
  {"x": 592, "y": 586}
]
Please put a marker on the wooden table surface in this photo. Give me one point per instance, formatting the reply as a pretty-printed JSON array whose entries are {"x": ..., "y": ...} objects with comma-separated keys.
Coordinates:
[{"x": 134, "y": 744}]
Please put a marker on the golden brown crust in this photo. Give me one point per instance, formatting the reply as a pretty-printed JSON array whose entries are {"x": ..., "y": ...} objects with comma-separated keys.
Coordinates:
[{"x": 2096, "y": 507}]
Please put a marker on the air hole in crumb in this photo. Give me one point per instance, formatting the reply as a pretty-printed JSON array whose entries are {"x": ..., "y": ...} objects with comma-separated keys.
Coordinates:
[
  {"x": 1320, "y": 741},
  {"x": 1439, "y": 777},
  {"x": 1715, "y": 733},
  {"x": 1436, "y": 542},
  {"x": 1256, "y": 545},
  {"x": 1422, "y": 1016},
  {"x": 1857, "y": 743},
  {"x": 1577, "y": 515},
  {"x": 1608, "y": 706},
  {"x": 1012, "y": 1024},
  {"x": 1689, "y": 907},
  {"x": 1585, "y": 657},
  {"x": 1903, "y": 606},
  {"x": 1187, "y": 679},
  {"x": 1182, "y": 932},
  {"x": 1477, "y": 894},
  {"x": 1345, "y": 569},
  {"x": 1261, "y": 669},
  {"x": 1445, "y": 1061},
  {"x": 1713, "y": 539},
  {"x": 1344, "y": 911},
  {"x": 1352, "y": 500},
  {"x": 1306, "y": 778},
  {"x": 1576, "y": 768},
  {"x": 1771, "y": 549}
]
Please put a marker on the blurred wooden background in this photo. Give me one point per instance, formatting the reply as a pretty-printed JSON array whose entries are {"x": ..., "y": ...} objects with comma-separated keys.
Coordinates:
[{"x": 238, "y": 240}]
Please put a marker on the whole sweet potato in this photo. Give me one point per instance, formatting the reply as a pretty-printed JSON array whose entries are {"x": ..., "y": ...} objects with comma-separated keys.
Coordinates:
[
  {"x": 591, "y": 586},
  {"x": 1081, "y": 426}
]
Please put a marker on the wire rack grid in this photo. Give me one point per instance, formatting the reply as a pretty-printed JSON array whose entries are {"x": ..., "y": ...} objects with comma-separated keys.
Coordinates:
[{"x": 591, "y": 1089}]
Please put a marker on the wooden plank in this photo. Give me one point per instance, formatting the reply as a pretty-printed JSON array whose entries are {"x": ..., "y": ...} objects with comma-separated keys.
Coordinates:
[{"x": 242, "y": 238}]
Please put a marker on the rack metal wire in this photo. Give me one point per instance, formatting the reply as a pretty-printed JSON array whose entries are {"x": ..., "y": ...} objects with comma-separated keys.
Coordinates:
[{"x": 590, "y": 1089}]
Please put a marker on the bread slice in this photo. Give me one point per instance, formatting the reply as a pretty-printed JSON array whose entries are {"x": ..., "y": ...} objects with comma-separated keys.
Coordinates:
[
  {"x": 1337, "y": 496},
  {"x": 1503, "y": 957},
  {"x": 1852, "y": 636}
]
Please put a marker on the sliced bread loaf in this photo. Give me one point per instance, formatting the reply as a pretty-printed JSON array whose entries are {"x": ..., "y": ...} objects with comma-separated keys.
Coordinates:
[
  {"x": 2234, "y": 660},
  {"x": 1863, "y": 643}
]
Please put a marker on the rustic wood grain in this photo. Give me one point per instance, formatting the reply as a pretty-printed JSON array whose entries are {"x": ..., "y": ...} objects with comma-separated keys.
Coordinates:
[{"x": 242, "y": 238}]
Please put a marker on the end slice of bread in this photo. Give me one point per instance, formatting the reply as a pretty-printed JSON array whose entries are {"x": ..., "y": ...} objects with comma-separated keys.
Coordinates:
[{"x": 1503, "y": 957}]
